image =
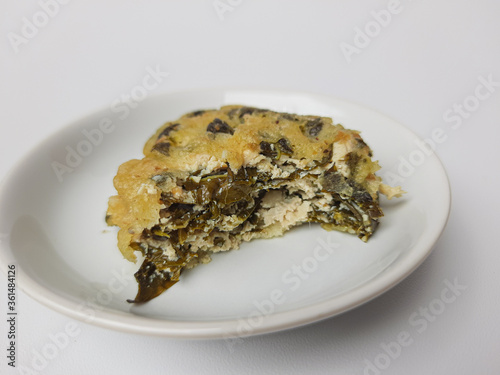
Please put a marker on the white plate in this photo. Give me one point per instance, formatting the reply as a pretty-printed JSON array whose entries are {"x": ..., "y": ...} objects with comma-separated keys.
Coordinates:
[{"x": 67, "y": 258}]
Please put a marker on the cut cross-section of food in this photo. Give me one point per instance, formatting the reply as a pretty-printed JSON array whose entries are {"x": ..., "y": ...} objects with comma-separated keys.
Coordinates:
[{"x": 215, "y": 178}]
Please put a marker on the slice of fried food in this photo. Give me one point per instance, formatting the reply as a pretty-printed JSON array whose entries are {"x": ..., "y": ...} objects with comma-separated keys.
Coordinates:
[{"x": 216, "y": 178}]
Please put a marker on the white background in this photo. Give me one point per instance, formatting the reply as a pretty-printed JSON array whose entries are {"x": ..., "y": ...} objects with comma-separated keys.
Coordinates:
[{"x": 427, "y": 58}]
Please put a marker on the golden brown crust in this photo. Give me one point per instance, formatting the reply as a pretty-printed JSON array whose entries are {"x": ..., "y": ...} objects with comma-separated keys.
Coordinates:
[{"x": 191, "y": 145}]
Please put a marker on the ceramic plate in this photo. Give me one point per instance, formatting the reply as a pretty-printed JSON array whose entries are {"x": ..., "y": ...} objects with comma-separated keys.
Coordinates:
[{"x": 53, "y": 203}]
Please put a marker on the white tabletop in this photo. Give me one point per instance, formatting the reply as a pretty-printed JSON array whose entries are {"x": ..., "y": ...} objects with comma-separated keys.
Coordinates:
[{"x": 430, "y": 65}]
